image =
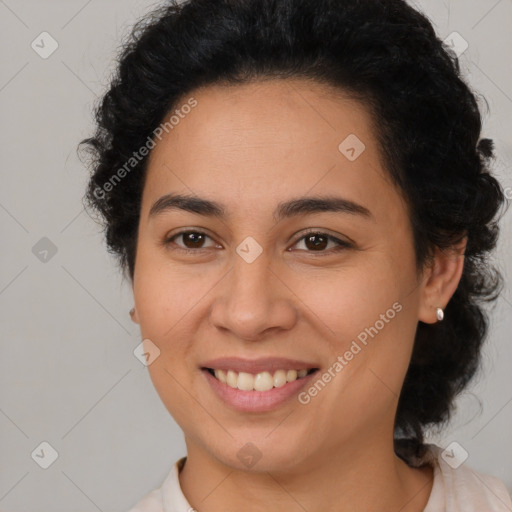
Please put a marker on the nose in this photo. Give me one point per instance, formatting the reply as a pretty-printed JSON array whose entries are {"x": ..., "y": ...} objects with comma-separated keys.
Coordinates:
[{"x": 253, "y": 301}]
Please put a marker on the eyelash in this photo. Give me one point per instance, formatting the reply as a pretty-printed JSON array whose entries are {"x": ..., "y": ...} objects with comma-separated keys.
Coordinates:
[{"x": 342, "y": 244}]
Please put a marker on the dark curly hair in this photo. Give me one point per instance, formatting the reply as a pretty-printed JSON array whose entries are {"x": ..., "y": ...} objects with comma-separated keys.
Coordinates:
[{"x": 385, "y": 54}]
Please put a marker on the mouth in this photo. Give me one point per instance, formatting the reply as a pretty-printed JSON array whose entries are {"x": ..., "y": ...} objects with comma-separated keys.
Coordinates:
[
  {"x": 257, "y": 385},
  {"x": 261, "y": 381}
]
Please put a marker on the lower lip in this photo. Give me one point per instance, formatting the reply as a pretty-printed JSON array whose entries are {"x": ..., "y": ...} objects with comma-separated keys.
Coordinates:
[{"x": 256, "y": 401}]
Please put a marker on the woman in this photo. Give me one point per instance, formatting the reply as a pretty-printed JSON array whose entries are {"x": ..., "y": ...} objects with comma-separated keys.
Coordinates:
[{"x": 300, "y": 197}]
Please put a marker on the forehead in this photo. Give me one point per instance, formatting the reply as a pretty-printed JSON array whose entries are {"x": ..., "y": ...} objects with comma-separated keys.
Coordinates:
[{"x": 256, "y": 144}]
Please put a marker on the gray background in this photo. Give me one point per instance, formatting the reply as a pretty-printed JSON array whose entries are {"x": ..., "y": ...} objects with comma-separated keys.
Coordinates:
[{"x": 68, "y": 375}]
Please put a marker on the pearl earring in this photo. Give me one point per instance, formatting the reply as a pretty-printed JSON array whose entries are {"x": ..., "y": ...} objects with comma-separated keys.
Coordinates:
[{"x": 439, "y": 314}]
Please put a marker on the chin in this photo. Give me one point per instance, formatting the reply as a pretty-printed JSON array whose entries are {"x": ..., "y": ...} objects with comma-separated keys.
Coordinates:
[{"x": 262, "y": 451}]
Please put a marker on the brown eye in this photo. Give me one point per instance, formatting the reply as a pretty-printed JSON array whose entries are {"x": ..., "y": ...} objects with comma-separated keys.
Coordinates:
[
  {"x": 318, "y": 242},
  {"x": 192, "y": 240}
]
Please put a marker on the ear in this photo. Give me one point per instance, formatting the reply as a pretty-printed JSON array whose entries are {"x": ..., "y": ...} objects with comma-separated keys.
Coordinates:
[
  {"x": 134, "y": 315},
  {"x": 440, "y": 281}
]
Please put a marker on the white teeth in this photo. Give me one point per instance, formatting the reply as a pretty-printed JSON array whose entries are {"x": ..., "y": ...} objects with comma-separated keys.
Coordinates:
[
  {"x": 245, "y": 381},
  {"x": 231, "y": 379},
  {"x": 279, "y": 378},
  {"x": 291, "y": 375},
  {"x": 221, "y": 375},
  {"x": 263, "y": 381}
]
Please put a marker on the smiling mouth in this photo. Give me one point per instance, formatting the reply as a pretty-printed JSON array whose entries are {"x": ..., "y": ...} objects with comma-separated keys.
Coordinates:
[{"x": 263, "y": 381}]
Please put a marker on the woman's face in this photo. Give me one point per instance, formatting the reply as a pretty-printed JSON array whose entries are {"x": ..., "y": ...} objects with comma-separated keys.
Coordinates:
[{"x": 256, "y": 285}]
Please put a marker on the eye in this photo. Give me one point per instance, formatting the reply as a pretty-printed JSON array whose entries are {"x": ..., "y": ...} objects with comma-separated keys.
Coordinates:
[
  {"x": 314, "y": 241},
  {"x": 193, "y": 240},
  {"x": 317, "y": 241}
]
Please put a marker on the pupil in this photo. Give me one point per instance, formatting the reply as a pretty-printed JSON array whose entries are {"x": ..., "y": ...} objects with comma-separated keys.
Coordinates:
[
  {"x": 316, "y": 245},
  {"x": 195, "y": 238}
]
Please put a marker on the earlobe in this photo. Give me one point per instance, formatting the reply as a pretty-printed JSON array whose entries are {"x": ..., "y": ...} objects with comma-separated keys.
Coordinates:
[
  {"x": 134, "y": 316},
  {"x": 442, "y": 280}
]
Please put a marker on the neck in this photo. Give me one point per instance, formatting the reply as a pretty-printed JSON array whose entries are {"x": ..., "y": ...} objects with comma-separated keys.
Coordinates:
[{"x": 344, "y": 479}]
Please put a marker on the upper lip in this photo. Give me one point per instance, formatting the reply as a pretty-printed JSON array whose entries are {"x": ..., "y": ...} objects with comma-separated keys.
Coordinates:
[{"x": 269, "y": 364}]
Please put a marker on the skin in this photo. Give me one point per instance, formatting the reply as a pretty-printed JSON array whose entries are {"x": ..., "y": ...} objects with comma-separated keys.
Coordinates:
[{"x": 251, "y": 147}]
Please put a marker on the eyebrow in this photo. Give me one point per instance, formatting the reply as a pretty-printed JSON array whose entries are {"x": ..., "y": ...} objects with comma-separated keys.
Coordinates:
[{"x": 291, "y": 208}]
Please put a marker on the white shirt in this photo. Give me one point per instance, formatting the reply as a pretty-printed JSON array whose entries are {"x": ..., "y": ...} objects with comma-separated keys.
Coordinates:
[{"x": 454, "y": 490}]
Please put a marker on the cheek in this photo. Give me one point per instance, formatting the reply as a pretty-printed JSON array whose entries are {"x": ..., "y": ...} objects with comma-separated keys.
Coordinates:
[
  {"x": 367, "y": 316},
  {"x": 345, "y": 301},
  {"x": 164, "y": 294},
  {"x": 168, "y": 302}
]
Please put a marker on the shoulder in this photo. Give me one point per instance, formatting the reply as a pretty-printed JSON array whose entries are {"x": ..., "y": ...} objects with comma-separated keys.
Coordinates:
[
  {"x": 459, "y": 488},
  {"x": 166, "y": 498}
]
